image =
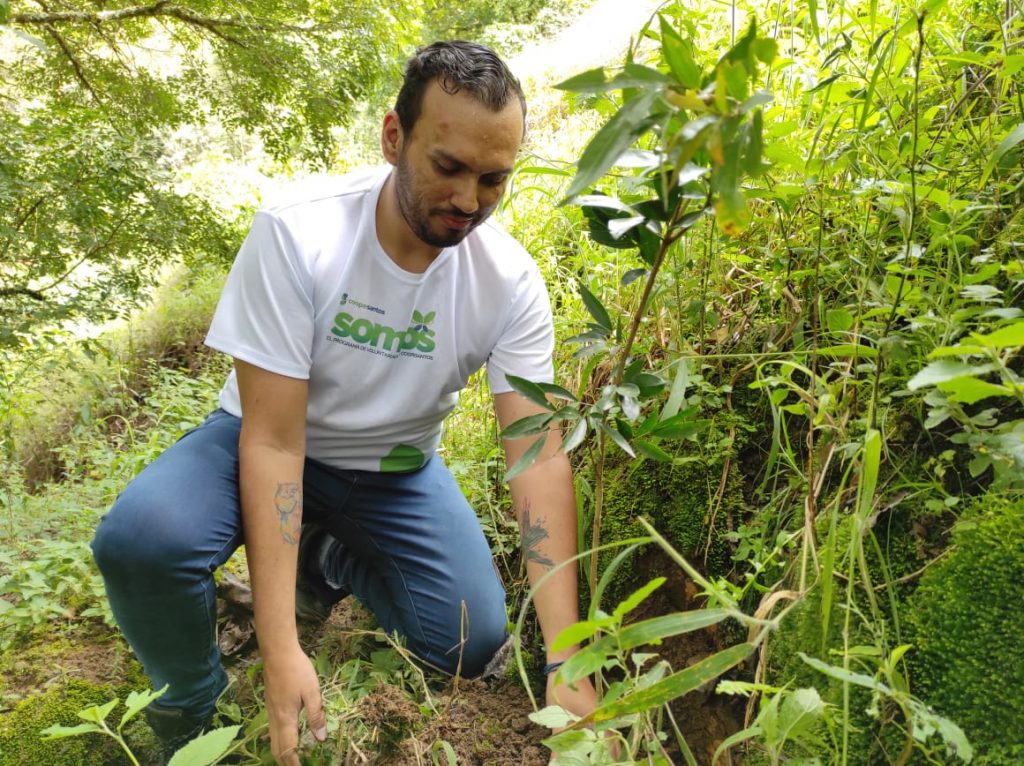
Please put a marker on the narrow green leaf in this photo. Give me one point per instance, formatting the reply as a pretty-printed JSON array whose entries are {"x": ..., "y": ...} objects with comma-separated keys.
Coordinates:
[
  {"x": 529, "y": 390},
  {"x": 576, "y": 436},
  {"x": 531, "y": 425},
  {"x": 678, "y": 392},
  {"x": 658, "y": 628},
  {"x": 583, "y": 82},
  {"x": 847, "y": 676},
  {"x": 614, "y": 138},
  {"x": 671, "y": 687},
  {"x": 1015, "y": 137},
  {"x": 441, "y": 747},
  {"x": 652, "y": 450},
  {"x": 845, "y": 350},
  {"x": 677, "y": 54},
  {"x": 527, "y": 459},
  {"x": 637, "y": 597},
  {"x": 557, "y": 391},
  {"x": 206, "y": 749},
  {"x": 603, "y": 202},
  {"x": 618, "y": 438},
  {"x": 595, "y": 308},
  {"x": 577, "y": 633}
]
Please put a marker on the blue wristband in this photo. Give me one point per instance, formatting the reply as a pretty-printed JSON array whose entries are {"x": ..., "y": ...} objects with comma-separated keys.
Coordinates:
[{"x": 551, "y": 667}]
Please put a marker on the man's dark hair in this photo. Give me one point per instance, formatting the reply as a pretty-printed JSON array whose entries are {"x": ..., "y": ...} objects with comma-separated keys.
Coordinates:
[{"x": 456, "y": 65}]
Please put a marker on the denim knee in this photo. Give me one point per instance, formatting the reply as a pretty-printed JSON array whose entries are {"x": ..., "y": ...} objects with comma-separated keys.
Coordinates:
[
  {"x": 483, "y": 637},
  {"x": 126, "y": 545}
]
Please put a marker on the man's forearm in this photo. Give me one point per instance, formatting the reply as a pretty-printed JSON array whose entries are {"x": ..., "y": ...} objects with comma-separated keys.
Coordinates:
[
  {"x": 546, "y": 509},
  {"x": 271, "y": 495}
]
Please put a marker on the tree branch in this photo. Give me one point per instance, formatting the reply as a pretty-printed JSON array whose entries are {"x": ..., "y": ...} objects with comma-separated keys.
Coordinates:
[
  {"x": 6, "y": 292},
  {"x": 75, "y": 64}
]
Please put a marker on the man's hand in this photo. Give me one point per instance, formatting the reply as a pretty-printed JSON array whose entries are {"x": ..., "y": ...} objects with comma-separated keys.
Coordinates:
[
  {"x": 580, "y": 701},
  {"x": 291, "y": 686}
]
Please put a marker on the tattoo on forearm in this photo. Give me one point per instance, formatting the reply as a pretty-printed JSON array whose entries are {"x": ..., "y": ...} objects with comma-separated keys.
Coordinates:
[
  {"x": 533, "y": 533},
  {"x": 288, "y": 501}
]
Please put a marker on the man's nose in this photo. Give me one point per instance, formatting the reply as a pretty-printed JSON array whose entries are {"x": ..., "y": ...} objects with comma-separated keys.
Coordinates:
[{"x": 465, "y": 196}]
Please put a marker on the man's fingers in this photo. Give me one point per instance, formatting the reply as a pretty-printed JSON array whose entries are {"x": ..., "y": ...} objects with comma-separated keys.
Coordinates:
[
  {"x": 315, "y": 718},
  {"x": 284, "y": 740}
]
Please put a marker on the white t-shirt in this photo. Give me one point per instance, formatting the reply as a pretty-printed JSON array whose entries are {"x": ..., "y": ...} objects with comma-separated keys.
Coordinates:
[{"x": 313, "y": 295}]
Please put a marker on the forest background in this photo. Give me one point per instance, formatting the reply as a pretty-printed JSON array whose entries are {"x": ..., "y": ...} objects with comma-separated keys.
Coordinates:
[{"x": 784, "y": 245}]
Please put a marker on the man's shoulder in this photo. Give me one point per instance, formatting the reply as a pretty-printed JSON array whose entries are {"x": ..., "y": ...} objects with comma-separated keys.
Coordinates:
[{"x": 318, "y": 191}]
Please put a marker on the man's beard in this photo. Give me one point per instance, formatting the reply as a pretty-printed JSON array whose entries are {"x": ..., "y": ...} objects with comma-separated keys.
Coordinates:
[{"x": 418, "y": 216}]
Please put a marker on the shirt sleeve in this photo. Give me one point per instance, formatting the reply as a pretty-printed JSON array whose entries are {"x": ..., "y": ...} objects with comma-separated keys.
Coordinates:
[
  {"x": 265, "y": 313},
  {"x": 527, "y": 342}
]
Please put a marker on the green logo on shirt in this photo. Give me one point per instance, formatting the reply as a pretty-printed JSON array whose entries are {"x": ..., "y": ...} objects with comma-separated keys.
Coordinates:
[{"x": 418, "y": 336}]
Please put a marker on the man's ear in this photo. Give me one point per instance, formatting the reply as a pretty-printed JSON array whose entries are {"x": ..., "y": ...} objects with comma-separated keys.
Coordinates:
[{"x": 391, "y": 137}]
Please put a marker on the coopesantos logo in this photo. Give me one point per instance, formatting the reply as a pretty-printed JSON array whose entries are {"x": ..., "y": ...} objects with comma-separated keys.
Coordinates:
[{"x": 418, "y": 336}]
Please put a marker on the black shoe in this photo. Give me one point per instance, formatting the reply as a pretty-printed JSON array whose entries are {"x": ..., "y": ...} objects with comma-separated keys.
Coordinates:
[
  {"x": 314, "y": 596},
  {"x": 175, "y": 728}
]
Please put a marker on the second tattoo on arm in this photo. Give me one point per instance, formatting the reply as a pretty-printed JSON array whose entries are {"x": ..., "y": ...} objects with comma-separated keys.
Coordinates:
[{"x": 288, "y": 501}]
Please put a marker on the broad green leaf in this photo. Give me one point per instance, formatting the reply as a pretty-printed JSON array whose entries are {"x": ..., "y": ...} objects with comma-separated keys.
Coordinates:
[
  {"x": 937, "y": 372},
  {"x": 531, "y": 425},
  {"x": 969, "y": 389},
  {"x": 206, "y": 749},
  {"x": 97, "y": 713},
  {"x": 799, "y": 711},
  {"x": 637, "y": 597},
  {"x": 765, "y": 49},
  {"x": 59, "y": 732},
  {"x": 614, "y": 137},
  {"x": 136, "y": 701},
  {"x": 5, "y": 11},
  {"x": 872, "y": 456},
  {"x": 529, "y": 389},
  {"x": 527, "y": 459},
  {"x": 673, "y": 686},
  {"x": 1004, "y": 337},
  {"x": 595, "y": 308},
  {"x": 553, "y": 717}
]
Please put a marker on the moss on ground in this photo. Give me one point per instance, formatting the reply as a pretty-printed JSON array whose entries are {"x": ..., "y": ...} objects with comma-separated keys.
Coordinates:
[
  {"x": 966, "y": 623},
  {"x": 20, "y": 741},
  {"x": 676, "y": 499}
]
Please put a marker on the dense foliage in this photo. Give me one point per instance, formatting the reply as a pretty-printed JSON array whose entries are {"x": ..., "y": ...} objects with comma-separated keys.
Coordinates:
[{"x": 789, "y": 271}]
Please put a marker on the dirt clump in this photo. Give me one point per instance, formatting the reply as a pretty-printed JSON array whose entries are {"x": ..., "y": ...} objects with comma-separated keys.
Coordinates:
[{"x": 485, "y": 724}]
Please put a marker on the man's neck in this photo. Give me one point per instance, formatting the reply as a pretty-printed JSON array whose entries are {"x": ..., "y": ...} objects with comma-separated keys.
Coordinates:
[{"x": 402, "y": 246}]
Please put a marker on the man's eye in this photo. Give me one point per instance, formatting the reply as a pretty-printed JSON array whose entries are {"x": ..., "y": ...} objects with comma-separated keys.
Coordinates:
[
  {"x": 444, "y": 169},
  {"x": 493, "y": 180}
]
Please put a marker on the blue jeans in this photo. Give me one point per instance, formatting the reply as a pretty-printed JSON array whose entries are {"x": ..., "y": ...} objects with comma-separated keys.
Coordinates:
[{"x": 413, "y": 553}]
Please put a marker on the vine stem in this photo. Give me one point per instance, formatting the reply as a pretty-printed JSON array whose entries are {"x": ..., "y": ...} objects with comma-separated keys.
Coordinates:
[{"x": 670, "y": 238}]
